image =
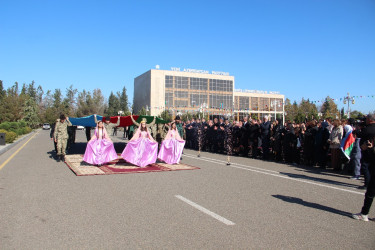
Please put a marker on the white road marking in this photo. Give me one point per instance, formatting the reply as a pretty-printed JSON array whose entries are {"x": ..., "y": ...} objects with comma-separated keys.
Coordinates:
[
  {"x": 245, "y": 166},
  {"x": 249, "y": 168},
  {"x": 206, "y": 211}
]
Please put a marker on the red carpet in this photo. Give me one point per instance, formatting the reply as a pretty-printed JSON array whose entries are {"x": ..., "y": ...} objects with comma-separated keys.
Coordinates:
[{"x": 119, "y": 166}]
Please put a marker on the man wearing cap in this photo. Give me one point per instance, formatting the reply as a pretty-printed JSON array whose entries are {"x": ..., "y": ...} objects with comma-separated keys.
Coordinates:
[{"x": 60, "y": 135}]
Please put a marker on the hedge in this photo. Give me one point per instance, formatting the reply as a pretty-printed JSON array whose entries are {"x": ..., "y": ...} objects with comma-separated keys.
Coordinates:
[
  {"x": 9, "y": 136},
  {"x": 14, "y": 129}
]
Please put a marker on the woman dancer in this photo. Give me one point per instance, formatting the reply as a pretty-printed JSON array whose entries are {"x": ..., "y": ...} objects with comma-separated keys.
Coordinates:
[
  {"x": 100, "y": 148},
  {"x": 172, "y": 146},
  {"x": 142, "y": 149}
]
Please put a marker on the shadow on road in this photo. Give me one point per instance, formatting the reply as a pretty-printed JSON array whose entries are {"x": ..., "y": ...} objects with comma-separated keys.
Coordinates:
[
  {"x": 322, "y": 172},
  {"x": 305, "y": 177},
  {"x": 311, "y": 204}
]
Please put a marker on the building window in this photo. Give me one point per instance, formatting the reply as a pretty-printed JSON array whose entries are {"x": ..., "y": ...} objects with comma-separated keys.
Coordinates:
[
  {"x": 197, "y": 100},
  {"x": 254, "y": 103},
  {"x": 243, "y": 102},
  {"x": 169, "y": 81},
  {"x": 181, "y": 82},
  {"x": 181, "y": 94},
  {"x": 221, "y": 85},
  {"x": 198, "y": 83},
  {"x": 264, "y": 104},
  {"x": 181, "y": 103},
  {"x": 221, "y": 101},
  {"x": 168, "y": 99}
]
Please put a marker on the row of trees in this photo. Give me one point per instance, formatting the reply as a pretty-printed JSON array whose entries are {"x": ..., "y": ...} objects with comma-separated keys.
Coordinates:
[
  {"x": 306, "y": 110},
  {"x": 34, "y": 106}
]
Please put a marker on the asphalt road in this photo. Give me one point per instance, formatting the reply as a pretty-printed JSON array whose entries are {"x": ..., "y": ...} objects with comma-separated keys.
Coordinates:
[{"x": 250, "y": 204}]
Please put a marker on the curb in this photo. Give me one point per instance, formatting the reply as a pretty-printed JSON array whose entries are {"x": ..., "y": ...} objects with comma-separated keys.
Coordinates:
[{"x": 9, "y": 146}]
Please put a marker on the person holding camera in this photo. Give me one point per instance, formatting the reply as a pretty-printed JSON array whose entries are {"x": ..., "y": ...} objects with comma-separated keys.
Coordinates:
[{"x": 368, "y": 152}]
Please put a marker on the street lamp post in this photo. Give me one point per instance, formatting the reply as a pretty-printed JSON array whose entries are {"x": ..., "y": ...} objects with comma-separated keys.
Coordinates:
[{"x": 349, "y": 99}]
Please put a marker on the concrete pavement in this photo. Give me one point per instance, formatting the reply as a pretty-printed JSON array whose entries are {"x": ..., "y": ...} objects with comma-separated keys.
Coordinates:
[{"x": 44, "y": 205}]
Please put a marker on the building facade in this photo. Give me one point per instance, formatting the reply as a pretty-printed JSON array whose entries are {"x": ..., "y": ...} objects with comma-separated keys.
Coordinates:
[
  {"x": 258, "y": 104},
  {"x": 199, "y": 91}
]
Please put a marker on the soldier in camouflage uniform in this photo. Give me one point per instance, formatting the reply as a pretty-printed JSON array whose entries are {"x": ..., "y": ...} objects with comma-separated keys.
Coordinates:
[{"x": 61, "y": 135}]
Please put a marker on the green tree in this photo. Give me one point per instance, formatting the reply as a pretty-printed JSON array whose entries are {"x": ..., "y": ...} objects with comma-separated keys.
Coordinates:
[
  {"x": 142, "y": 111},
  {"x": 291, "y": 110},
  {"x": 329, "y": 108},
  {"x": 30, "y": 113},
  {"x": 307, "y": 110},
  {"x": 186, "y": 116},
  {"x": 31, "y": 90},
  {"x": 11, "y": 105},
  {"x": 2, "y": 91},
  {"x": 57, "y": 99},
  {"x": 356, "y": 114},
  {"x": 70, "y": 101},
  {"x": 123, "y": 99},
  {"x": 99, "y": 102},
  {"x": 166, "y": 115},
  {"x": 39, "y": 95},
  {"x": 113, "y": 105}
]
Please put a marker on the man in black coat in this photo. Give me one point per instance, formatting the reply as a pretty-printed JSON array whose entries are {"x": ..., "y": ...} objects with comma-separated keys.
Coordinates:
[
  {"x": 254, "y": 133},
  {"x": 245, "y": 136},
  {"x": 368, "y": 147},
  {"x": 278, "y": 132},
  {"x": 265, "y": 128}
]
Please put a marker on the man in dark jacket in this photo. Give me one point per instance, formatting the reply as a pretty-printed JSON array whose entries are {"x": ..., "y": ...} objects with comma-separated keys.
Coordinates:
[
  {"x": 254, "y": 134},
  {"x": 367, "y": 145},
  {"x": 265, "y": 128}
]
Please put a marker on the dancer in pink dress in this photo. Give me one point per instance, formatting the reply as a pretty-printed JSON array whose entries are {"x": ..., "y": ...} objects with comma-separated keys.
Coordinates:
[
  {"x": 172, "y": 146},
  {"x": 100, "y": 149},
  {"x": 142, "y": 149}
]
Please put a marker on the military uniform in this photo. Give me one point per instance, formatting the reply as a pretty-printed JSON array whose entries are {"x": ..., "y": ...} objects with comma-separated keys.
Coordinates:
[
  {"x": 61, "y": 135},
  {"x": 109, "y": 127}
]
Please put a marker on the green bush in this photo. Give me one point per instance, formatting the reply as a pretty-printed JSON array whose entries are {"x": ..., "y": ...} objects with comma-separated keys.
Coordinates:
[
  {"x": 9, "y": 136},
  {"x": 19, "y": 131},
  {"x": 22, "y": 124},
  {"x": 5, "y": 125},
  {"x": 27, "y": 130}
]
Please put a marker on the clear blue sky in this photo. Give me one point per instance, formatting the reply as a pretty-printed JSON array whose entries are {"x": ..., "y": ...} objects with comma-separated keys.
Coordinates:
[{"x": 310, "y": 48}]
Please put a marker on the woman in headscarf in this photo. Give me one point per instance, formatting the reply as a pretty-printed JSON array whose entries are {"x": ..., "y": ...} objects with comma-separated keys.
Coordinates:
[
  {"x": 172, "y": 146},
  {"x": 142, "y": 149},
  {"x": 100, "y": 149}
]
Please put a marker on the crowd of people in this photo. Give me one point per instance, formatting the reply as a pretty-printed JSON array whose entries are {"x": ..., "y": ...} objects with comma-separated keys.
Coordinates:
[{"x": 311, "y": 143}]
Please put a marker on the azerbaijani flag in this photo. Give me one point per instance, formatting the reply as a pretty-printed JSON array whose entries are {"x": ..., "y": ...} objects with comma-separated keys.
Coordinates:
[{"x": 347, "y": 144}]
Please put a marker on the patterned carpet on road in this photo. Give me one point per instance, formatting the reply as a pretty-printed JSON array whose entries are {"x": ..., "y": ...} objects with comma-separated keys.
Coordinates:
[{"x": 119, "y": 166}]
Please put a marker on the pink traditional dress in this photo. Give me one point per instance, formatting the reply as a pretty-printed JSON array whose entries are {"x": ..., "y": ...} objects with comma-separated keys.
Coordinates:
[
  {"x": 100, "y": 149},
  {"x": 171, "y": 148},
  {"x": 141, "y": 150}
]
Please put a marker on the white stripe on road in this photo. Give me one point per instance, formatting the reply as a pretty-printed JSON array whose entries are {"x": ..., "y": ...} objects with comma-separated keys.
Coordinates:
[
  {"x": 206, "y": 211},
  {"x": 237, "y": 164},
  {"x": 249, "y": 168}
]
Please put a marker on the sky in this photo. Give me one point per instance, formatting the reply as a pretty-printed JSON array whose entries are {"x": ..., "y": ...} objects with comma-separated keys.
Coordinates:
[{"x": 307, "y": 49}]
